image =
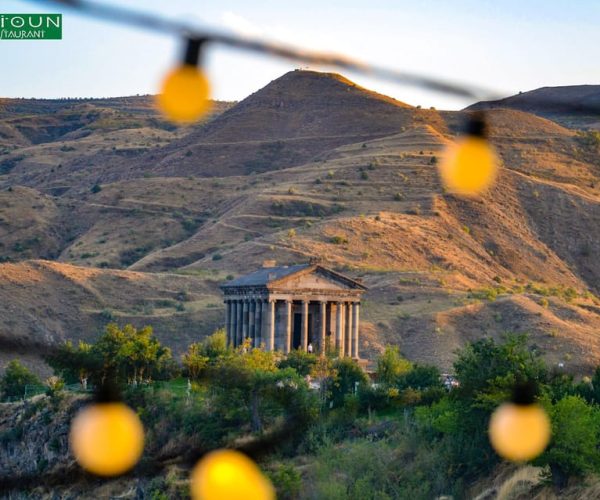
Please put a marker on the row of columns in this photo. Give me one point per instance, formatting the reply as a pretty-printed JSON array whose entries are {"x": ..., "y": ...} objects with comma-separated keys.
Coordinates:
[{"x": 255, "y": 319}]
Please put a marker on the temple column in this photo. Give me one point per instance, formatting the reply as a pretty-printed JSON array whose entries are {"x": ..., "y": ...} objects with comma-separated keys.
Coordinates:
[
  {"x": 257, "y": 322},
  {"x": 343, "y": 344},
  {"x": 349, "y": 330},
  {"x": 356, "y": 313},
  {"x": 264, "y": 331},
  {"x": 251, "y": 316},
  {"x": 239, "y": 334},
  {"x": 270, "y": 325},
  {"x": 304, "y": 334},
  {"x": 323, "y": 327},
  {"x": 228, "y": 320},
  {"x": 287, "y": 340},
  {"x": 244, "y": 320},
  {"x": 338, "y": 329}
]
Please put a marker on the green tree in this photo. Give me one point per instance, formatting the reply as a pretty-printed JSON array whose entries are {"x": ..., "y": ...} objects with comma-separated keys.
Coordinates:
[
  {"x": 249, "y": 387},
  {"x": 486, "y": 372},
  {"x": 573, "y": 450},
  {"x": 420, "y": 377},
  {"x": 141, "y": 353},
  {"x": 348, "y": 375},
  {"x": 195, "y": 361},
  {"x": 390, "y": 365},
  {"x": 121, "y": 355},
  {"x": 74, "y": 364},
  {"x": 301, "y": 361},
  {"x": 15, "y": 379},
  {"x": 215, "y": 345}
]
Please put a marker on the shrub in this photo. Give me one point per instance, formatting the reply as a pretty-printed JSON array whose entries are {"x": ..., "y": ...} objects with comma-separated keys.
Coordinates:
[
  {"x": 96, "y": 188},
  {"x": 339, "y": 240},
  {"x": 390, "y": 365},
  {"x": 575, "y": 434},
  {"x": 15, "y": 379}
]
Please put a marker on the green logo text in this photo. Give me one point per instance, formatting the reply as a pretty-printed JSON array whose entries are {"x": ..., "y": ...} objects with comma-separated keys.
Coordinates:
[{"x": 30, "y": 26}]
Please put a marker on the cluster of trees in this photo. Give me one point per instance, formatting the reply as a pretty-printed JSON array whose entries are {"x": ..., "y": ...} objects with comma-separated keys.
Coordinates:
[
  {"x": 244, "y": 391},
  {"x": 121, "y": 355}
]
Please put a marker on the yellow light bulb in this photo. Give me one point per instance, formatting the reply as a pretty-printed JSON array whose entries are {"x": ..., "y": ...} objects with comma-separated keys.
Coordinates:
[
  {"x": 519, "y": 432},
  {"x": 229, "y": 475},
  {"x": 469, "y": 166},
  {"x": 184, "y": 97},
  {"x": 107, "y": 439}
]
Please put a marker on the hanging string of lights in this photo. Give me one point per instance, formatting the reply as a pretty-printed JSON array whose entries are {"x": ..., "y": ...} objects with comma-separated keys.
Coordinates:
[
  {"x": 189, "y": 32},
  {"x": 107, "y": 437}
]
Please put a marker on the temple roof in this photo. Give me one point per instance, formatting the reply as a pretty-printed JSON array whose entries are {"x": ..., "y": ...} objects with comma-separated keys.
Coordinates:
[{"x": 268, "y": 275}]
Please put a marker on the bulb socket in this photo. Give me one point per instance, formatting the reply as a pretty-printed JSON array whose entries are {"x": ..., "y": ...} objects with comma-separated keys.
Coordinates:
[
  {"x": 524, "y": 393},
  {"x": 476, "y": 126},
  {"x": 193, "y": 51},
  {"x": 107, "y": 393}
]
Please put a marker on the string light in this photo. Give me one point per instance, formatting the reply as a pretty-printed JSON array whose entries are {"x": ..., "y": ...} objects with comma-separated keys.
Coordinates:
[
  {"x": 229, "y": 475},
  {"x": 469, "y": 166},
  {"x": 107, "y": 437},
  {"x": 520, "y": 429},
  {"x": 184, "y": 96}
]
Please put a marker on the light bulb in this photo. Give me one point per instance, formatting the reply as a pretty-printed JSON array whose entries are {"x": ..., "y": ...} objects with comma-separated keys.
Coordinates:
[
  {"x": 107, "y": 439},
  {"x": 184, "y": 97},
  {"x": 469, "y": 166},
  {"x": 519, "y": 432},
  {"x": 229, "y": 475}
]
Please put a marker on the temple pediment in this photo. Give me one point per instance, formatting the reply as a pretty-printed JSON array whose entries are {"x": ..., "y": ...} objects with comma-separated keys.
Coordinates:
[
  {"x": 315, "y": 278},
  {"x": 298, "y": 277}
]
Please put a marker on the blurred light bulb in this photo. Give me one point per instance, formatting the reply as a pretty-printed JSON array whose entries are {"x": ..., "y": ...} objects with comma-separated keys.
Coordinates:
[
  {"x": 469, "y": 166},
  {"x": 519, "y": 432},
  {"x": 107, "y": 439},
  {"x": 184, "y": 96},
  {"x": 229, "y": 475}
]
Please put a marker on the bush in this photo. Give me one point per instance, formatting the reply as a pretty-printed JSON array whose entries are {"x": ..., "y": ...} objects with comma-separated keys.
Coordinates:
[
  {"x": 287, "y": 482},
  {"x": 391, "y": 365},
  {"x": 301, "y": 361},
  {"x": 96, "y": 188},
  {"x": 575, "y": 434},
  {"x": 15, "y": 379},
  {"x": 339, "y": 240}
]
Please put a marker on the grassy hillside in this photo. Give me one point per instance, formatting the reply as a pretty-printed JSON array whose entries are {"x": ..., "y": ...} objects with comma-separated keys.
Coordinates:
[{"x": 311, "y": 165}]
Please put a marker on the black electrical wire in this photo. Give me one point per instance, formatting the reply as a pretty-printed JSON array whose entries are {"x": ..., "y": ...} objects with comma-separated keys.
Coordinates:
[{"x": 155, "y": 23}]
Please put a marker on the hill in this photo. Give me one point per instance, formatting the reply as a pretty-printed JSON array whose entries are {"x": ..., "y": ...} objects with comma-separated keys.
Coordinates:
[
  {"x": 574, "y": 106},
  {"x": 311, "y": 165}
]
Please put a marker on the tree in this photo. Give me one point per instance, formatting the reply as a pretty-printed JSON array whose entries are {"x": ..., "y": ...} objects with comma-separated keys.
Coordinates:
[
  {"x": 139, "y": 352},
  {"x": 15, "y": 379},
  {"x": 348, "y": 375},
  {"x": 121, "y": 355},
  {"x": 575, "y": 436},
  {"x": 324, "y": 374},
  {"x": 391, "y": 365},
  {"x": 215, "y": 345},
  {"x": 301, "y": 361},
  {"x": 420, "y": 377},
  {"x": 195, "y": 361},
  {"x": 486, "y": 372},
  {"x": 74, "y": 364}
]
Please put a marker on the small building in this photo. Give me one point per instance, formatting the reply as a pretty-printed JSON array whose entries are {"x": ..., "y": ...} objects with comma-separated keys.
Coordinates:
[{"x": 291, "y": 307}]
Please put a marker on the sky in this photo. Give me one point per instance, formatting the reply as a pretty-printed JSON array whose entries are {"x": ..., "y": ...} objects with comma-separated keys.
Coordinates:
[{"x": 504, "y": 45}]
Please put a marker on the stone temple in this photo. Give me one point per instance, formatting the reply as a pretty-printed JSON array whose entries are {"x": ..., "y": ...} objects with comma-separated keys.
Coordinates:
[{"x": 291, "y": 307}]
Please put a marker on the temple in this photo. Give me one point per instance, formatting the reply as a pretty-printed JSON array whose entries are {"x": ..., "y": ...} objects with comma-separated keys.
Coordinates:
[{"x": 291, "y": 307}]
